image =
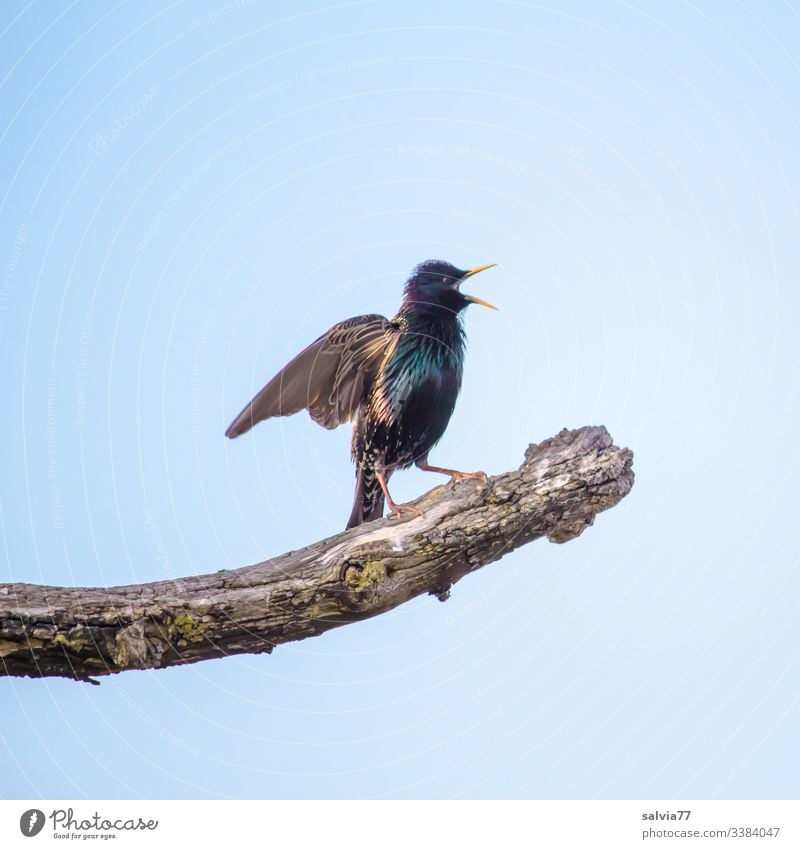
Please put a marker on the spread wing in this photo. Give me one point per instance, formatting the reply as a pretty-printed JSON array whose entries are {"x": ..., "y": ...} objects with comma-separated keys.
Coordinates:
[{"x": 327, "y": 378}]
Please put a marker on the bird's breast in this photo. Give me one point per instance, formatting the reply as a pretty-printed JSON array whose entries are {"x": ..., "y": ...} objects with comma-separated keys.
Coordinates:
[
  {"x": 413, "y": 398},
  {"x": 418, "y": 373}
]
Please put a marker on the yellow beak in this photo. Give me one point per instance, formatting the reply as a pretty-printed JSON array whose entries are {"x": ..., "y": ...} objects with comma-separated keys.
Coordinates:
[{"x": 471, "y": 273}]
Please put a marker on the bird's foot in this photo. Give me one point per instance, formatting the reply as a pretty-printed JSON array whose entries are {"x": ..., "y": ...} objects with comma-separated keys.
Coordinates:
[
  {"x": 455, "y": 476},
  {"x": 398, "y": 509},
  {"x": 463, "y": 476}
]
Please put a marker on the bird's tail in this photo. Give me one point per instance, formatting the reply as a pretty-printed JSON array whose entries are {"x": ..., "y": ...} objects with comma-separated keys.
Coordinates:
[{"x": 368, "y": 501}]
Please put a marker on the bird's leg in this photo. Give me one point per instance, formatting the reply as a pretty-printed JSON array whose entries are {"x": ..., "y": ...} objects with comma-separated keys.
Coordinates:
[
  {"x": 422, "y": 464},
  {"x": 395, "y": 508}
]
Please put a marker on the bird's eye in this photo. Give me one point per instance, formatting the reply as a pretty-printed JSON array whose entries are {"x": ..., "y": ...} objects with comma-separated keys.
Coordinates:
[{"x": 444, "y": 279}]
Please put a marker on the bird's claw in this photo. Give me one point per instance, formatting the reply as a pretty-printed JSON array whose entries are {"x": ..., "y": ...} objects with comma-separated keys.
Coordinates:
[
  {"x": 398, "y": 509},
  {"x": 462, "y": 476}
]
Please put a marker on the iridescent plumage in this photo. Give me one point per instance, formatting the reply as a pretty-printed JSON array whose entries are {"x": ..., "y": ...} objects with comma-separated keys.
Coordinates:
[{"x": 397, "y": 381}]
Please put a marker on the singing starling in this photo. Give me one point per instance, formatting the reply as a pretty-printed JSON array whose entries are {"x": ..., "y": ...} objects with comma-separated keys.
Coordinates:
[{"x": 397, "y": 380}]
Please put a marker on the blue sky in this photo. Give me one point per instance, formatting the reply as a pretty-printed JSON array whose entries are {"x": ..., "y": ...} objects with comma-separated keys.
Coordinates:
[{"x": 192, "y": 192}]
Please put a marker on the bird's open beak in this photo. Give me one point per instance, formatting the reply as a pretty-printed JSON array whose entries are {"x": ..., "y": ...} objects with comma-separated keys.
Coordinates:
[{"x": 471, "y": 273}]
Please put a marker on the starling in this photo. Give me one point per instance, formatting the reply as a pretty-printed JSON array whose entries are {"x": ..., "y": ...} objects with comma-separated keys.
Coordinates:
[{"x": 397, "y": 380}]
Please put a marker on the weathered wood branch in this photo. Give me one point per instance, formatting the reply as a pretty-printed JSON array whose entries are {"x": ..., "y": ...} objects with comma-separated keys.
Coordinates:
[{"x": 83, "y": 632}]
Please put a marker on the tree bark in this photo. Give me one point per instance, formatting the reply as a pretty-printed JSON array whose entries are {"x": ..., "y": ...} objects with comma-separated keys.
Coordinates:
[{"x": 82, "y": 633}]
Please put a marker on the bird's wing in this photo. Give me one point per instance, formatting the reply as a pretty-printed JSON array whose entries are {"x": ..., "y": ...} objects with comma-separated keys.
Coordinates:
[{"x": 327, "y": 378}]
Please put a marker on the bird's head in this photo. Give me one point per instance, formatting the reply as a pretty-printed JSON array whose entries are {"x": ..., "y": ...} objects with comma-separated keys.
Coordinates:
[{"x": 435, "y": 283}]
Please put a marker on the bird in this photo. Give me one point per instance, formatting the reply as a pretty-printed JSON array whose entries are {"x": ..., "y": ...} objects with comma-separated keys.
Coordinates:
[{"x": 395, "y": 379}]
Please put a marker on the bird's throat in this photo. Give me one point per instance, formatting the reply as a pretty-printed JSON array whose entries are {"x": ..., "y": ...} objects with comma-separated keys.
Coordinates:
[{"x": 434, "y": 331}]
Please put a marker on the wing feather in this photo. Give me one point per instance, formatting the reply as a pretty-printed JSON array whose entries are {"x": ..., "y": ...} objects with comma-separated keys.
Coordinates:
[{"x": 327, "y": 378}]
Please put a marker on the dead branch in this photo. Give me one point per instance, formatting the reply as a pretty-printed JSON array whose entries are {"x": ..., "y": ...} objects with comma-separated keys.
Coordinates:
[{"x": 82, "y": 632}]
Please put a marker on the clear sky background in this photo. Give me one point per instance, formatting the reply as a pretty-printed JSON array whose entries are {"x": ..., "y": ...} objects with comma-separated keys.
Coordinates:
[{"x": 191, "y": 192}]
